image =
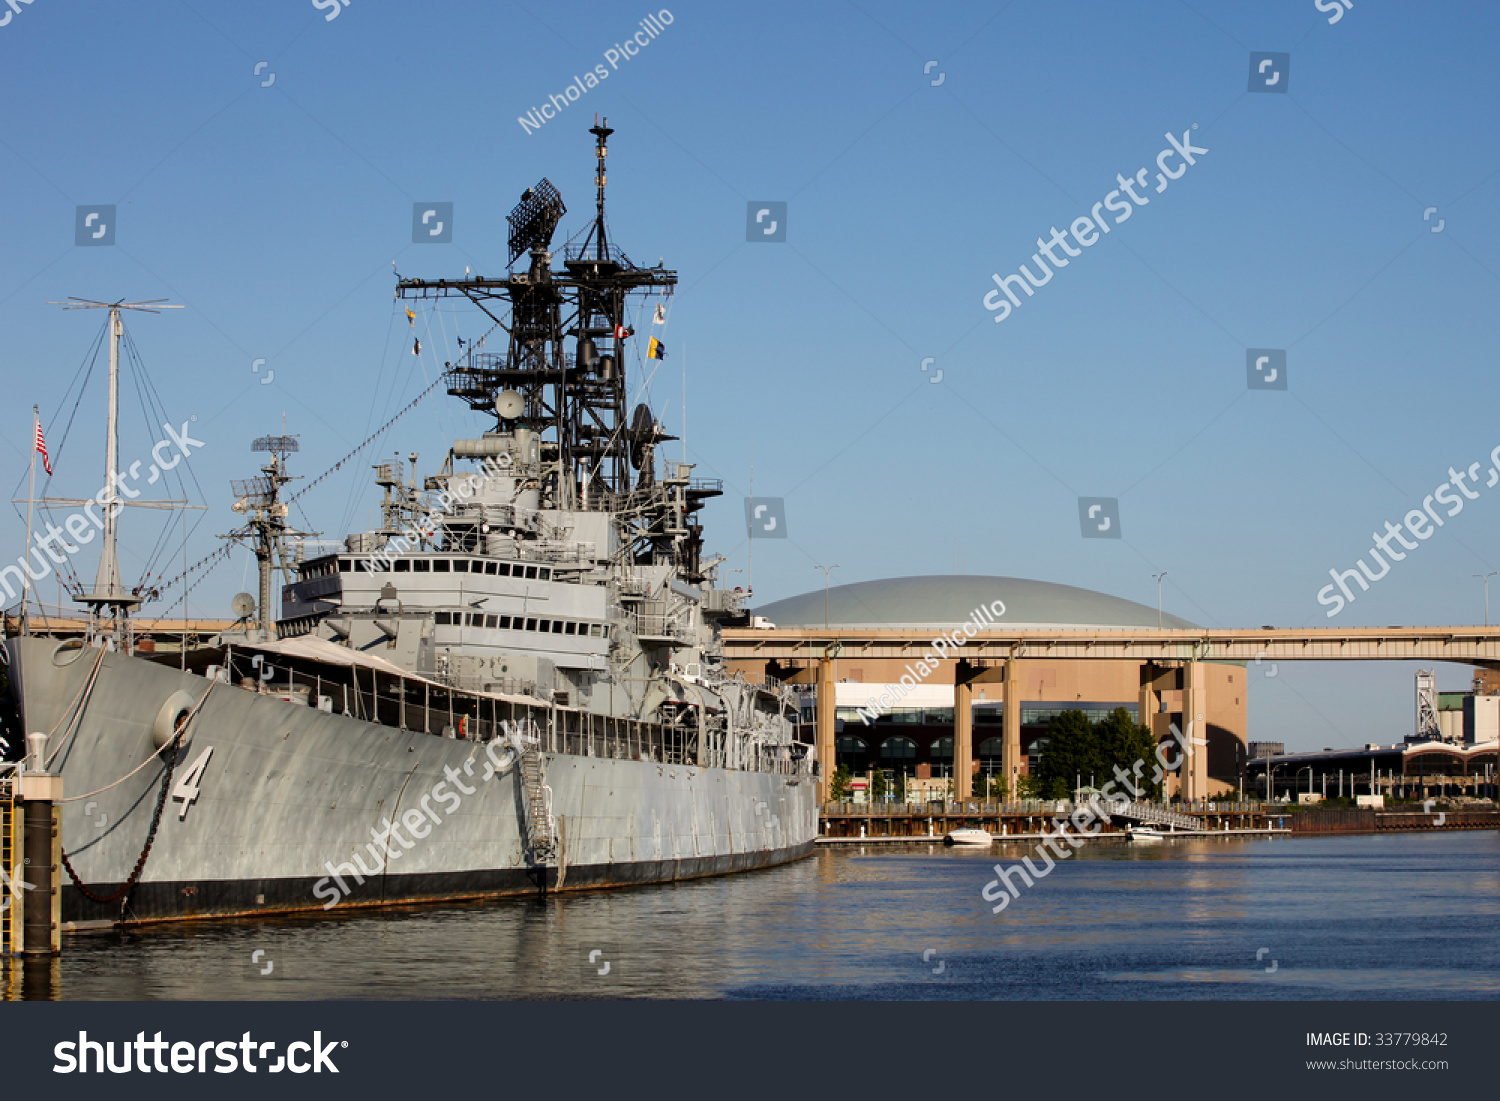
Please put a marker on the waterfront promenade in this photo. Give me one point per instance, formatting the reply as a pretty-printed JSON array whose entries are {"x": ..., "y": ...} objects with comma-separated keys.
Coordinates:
[{"x": 848, "y": 821}]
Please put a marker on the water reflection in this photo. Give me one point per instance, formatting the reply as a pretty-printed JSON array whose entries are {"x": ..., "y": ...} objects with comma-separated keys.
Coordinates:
[{"x": 1344, "y": 917}]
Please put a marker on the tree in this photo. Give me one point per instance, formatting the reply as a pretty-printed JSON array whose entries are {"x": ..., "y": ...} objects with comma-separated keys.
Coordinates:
[
  {"x": 1123, "y": 742},
  {"x": 1078, "y": 748},
  {"x": 1030, "y": 787},
  {"x": 993, "y": 787},
  {"x": 878, "y": 785},
  {"x": 838, "y": 784},
  {"x": 1072, "y": 750}
]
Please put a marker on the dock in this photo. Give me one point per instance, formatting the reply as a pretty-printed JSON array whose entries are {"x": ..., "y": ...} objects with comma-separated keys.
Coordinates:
[
  {"x": 1103, "y": 835},
  {"x": 1025, "y": 820}
]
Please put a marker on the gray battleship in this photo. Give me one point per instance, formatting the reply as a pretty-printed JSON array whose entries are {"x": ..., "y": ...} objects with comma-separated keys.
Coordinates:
[{"x": 514, "y": 685}]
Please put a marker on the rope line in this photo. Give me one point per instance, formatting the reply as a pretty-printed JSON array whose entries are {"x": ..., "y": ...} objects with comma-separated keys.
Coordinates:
[
  {"x": 79, "y": 702},
  {"x": 368, "y": 441},
  {"x": 161, "y": 802}
]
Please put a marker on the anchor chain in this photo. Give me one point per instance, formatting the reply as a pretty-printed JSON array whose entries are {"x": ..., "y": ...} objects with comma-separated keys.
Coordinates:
[{"x": 161, "y": 802}]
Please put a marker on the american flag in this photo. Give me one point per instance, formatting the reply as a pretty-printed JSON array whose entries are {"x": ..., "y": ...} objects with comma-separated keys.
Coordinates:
[{"x": 41, "y": 445}]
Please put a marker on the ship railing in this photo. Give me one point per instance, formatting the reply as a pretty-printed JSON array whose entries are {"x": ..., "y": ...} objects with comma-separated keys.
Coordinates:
[
  {"x": 473, "y": 374},
  {"x": 559, "y": 552},
  {"x": 660, "y": 626},
  {"x": 636, "y": 586},
  {"x": 589, "y": 250},
  {"x": 435, "y": 706}
]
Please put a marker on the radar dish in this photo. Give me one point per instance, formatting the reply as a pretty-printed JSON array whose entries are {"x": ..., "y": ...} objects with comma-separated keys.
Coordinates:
[
  {"x": 534, "y": 218},
  {"x": 243, "y": 605},
  {"x": 276, "y": 444},
  {"x": 642, "y": 435},
  {"x": 509, "y": 405}
]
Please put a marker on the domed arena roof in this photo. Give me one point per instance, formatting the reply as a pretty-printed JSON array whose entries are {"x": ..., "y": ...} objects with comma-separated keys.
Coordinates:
[{"x": 942, "y": 601}]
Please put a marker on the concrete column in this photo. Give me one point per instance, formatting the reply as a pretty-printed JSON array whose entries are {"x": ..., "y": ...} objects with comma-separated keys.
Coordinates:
[
  {"x": 41, "y": 906},
  {"x": 1010, "y": 753},
  {"x": 963, "y": 732},
  {"x": 1147, "y": 705},
  {"x": 1193, "y": 772},
  {"x": 826, "y": 705}
]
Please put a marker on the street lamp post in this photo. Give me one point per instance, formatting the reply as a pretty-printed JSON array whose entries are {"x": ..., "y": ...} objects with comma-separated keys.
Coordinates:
[
  {"x": 827, "y": 573},
  {"x": 1485, "y": 577},
  {"x": 1271, "y": 781},
  {"x": 1309, "y": 769},
  {"x": 1158, "y": 577}
]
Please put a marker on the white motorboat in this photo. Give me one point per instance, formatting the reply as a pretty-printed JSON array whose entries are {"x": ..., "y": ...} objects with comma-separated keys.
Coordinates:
[
  {"x": 967, "y": 837},
  {"x": 1144, "y": 833}
]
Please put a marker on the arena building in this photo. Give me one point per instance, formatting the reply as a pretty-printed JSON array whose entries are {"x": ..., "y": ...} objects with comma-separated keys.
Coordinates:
[{"x": 881, "y": 723}]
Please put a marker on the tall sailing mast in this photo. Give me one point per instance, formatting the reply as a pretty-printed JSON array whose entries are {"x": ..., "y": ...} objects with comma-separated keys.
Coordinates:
[{"x": 109, "y": 593}]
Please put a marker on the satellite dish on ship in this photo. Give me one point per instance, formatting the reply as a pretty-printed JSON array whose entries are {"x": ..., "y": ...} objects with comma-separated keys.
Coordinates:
[
  {"x": 243, "y": 605},
  {"x": 509, "y": 405}
]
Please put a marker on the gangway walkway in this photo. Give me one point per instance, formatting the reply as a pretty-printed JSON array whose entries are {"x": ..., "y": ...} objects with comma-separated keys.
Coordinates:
[{"x": 1147, "y": 812}]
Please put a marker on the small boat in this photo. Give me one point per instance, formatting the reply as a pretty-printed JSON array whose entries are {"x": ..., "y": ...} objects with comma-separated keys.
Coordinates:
[
  {"x": 1144, "y": 833},
  {"x": 967, "y": 837}
]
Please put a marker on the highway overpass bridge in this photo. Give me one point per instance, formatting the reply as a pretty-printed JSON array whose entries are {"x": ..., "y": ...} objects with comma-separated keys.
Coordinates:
[{"x": 999, "y": 656}]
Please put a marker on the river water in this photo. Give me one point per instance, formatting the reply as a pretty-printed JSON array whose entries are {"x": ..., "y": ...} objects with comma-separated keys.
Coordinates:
[{"x": 1402, "y": 916}]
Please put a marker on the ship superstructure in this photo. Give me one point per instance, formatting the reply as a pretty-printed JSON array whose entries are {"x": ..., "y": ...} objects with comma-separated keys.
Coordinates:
[{"x": 548, "y": 557}]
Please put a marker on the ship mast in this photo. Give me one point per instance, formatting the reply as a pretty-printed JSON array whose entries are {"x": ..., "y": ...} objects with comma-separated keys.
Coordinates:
[
  {"x": 109, "y": 593},
  {"x": 597, "y": 459},
  {"x": 578, "y": 394},
  {"x": 267, "y": 530},
  {"x": 601, "y": 132}
]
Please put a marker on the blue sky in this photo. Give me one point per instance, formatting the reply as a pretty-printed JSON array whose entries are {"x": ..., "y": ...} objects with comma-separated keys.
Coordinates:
[{"x": 273, "y": 213}]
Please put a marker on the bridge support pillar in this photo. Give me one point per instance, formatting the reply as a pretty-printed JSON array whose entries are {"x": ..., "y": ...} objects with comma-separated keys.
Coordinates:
[
  {"x": 966, "y": 675},
  {"x": 1192, "y": 782},
  {"x": 963, "y": 732},
  {"x": 1010, "y": 752},
  {"x": 827, "y": 758},
  {"x": 1146, "y": 708}
]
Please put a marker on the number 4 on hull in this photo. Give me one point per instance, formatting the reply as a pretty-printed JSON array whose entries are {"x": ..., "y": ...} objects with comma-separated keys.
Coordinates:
[{"x": 187, "y": 787}]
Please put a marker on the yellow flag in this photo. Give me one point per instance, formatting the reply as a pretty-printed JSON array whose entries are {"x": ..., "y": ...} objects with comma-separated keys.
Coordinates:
[{"x": 411, "y": 318}]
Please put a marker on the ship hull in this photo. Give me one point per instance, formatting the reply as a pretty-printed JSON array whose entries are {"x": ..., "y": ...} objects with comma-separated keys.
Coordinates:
[{"x": 291, "y": 808}]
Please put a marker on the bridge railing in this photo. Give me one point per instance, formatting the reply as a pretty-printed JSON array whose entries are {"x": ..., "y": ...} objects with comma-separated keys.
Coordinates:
[{"x": 1026, "y": 807}]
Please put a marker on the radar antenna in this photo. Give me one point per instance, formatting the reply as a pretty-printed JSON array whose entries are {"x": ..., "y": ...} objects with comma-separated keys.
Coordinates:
[
  {"x": 267, "y": 531},
  {"x": 534, "y": 218}
]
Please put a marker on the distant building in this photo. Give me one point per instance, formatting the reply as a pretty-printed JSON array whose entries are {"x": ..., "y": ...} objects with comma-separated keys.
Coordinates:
[
  {"x": 1403, "y": 771},
  {"x": 913, "y": 733}
]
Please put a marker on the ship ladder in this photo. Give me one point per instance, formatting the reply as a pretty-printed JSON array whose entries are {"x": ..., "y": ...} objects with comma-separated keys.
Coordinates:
[
  {"x": 12, "y": 879},
  {"x": 539, "y": 835}
]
